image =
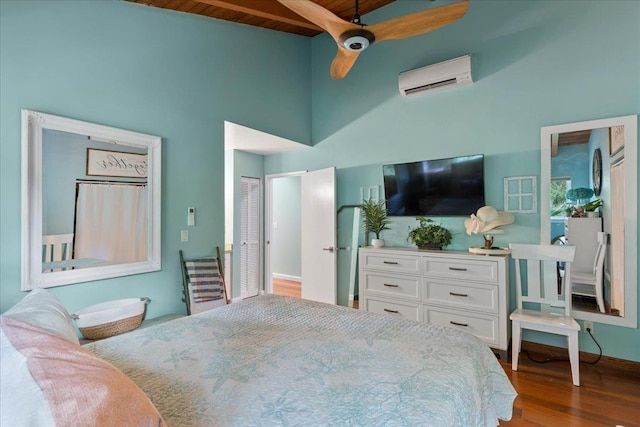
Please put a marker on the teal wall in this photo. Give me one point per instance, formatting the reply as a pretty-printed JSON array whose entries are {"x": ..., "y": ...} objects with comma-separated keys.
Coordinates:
[
  {"x": 573, "y": 161},
  {"x": 535, "y": 63},
  {"x": 180, "y": 76},
  {"x": 153, "y": 71}
]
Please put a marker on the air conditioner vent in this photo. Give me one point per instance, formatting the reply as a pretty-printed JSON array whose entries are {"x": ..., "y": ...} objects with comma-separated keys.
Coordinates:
[
  {"x": 447, "y": 74},
  {"x": 430, "y": 86}
]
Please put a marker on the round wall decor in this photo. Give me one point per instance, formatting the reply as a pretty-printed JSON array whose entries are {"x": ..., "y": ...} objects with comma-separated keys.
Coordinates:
[{"x": 597, "y": 171}]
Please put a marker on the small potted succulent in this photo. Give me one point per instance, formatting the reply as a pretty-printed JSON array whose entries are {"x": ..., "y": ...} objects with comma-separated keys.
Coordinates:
[
  {"x": 429, "y": 235},
  {"x": 590, "y": 208},
  {"x": 375, "y": 219}
]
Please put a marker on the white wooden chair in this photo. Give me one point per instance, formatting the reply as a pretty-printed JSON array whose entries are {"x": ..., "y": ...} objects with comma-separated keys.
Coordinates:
[
  {"x": 57, "y": 247},
  {"x": 589, "y": 283},
  {"x": 541, "y": 287}
]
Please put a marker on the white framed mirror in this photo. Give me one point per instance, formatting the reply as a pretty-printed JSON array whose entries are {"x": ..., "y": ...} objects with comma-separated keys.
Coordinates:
[
  {"x": 90, "y": 201},
  {"x": 600, "y": 156}
]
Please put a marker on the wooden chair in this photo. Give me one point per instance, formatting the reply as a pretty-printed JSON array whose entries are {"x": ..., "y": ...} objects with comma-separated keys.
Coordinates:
[
  {"x": 203, "y": 282},
  {"x": 541, "y": 287},
  {"x": 589, "y": 283},
  {"x": 57, "y": 247}
]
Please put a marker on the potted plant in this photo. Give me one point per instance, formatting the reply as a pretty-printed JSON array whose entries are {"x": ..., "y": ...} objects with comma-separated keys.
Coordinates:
[
  {"x": 429, "y": 235},
  {"x": 590, "y": 208},
  {"x": 375, "y": 219}
]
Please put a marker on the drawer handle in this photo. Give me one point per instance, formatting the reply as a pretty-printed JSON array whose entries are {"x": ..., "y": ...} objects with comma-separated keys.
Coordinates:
[
  {"x": 390, "y": 285},
  {"x": 455, "y": 294},
  {"x": 390, "y": 262},
  {"x": 390, "y": 311},
  {"x": 458, "y": 324},
  {"x": 457, "y": 269}
]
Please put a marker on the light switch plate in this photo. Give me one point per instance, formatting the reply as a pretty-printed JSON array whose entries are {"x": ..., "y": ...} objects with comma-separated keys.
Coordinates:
[{"x": 184, "y": 235}]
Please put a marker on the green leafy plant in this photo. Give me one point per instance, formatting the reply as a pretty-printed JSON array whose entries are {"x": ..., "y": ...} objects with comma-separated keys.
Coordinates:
[
  {"x": 592, "y": 205},
  {"x": 429, "y": 234},
  {"x": 374, "y": 216}
]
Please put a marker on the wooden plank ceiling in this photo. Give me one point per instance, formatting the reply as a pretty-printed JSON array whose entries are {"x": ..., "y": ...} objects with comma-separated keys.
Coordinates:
[
  {"x": 265, "y": 13},
  {"x": 577, "y": 137}
]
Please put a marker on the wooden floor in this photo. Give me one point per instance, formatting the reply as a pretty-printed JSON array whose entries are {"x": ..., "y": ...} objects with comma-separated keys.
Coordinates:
[
  {"x": 548, "y": 398},
  {"x": 287, "y": 288}
]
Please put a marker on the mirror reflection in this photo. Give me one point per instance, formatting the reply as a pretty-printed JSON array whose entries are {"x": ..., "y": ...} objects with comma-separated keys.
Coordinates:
[
  {"x": 94, "y": 202},
  {"x": 584, "y": 214},
  {"x": 588, "y": 187},
  {"x": 91, "y": 195}
]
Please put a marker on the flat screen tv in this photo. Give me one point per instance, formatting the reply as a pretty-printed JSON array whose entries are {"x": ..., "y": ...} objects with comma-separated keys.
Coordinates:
[{"x": 441, "y": 187}]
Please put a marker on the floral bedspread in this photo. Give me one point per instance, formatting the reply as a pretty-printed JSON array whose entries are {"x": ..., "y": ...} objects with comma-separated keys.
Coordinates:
[{"x": 272, "y": 360}]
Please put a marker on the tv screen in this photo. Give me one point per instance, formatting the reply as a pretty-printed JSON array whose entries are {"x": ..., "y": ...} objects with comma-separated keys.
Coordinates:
[{"x": 442, "y": 187}]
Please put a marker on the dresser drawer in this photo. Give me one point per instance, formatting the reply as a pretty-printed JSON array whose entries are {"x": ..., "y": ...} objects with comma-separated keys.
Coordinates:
[
  {"x": 391, "y": 262},
  {"x": 483, "y": 326},
  {"x": 405, "y": 310},
  {"x": 464, "y": 295},
  {"x": 392, "y": 285},
  {"x": 479, "y": 271}
]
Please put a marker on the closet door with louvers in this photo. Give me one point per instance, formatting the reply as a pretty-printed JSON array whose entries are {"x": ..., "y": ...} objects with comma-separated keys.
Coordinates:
[{"x": 249, "y": 237}]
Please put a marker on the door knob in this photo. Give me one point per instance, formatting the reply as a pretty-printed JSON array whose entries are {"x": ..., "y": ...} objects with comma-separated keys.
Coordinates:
[{"x": 330, "y": 249}]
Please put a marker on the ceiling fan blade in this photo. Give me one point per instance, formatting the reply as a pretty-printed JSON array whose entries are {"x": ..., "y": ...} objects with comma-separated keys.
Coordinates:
[
  {"x": 343, "y": 62},
  {"x": 418, "y": 23},
  {"x": 320, "y": 16}
]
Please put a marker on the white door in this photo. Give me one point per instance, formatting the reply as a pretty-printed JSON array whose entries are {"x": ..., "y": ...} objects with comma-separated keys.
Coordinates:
[
  {"x": 318, "y": 224},
  {"x": 249, "y": 237},
  {"x": 617, "y": 236}
]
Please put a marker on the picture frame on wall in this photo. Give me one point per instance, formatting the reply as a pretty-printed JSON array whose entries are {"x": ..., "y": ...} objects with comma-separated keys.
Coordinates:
[
  {"x": 116, "y": 163},
  {"x": 616, "y": 139}
]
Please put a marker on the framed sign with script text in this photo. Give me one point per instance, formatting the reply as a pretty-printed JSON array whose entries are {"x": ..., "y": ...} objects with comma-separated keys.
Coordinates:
[
  {"x": 116, "y": 163},
  {"x": 616, "y": 139}
]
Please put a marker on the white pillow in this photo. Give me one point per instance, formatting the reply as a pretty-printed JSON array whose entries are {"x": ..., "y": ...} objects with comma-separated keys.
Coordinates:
[
  {"x": 48, "y": 381},
  {"x": 42, "y": 309}
]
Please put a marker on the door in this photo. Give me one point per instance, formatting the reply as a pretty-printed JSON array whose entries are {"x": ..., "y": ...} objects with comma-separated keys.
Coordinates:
[
  {"x": 318, "y": 223},
  {"x": 249, "y": 237},
  {"x": 617, "y": 236}
]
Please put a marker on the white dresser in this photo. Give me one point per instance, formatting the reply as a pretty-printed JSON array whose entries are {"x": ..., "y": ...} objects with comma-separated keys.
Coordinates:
[{"x": 450, "y": 288}]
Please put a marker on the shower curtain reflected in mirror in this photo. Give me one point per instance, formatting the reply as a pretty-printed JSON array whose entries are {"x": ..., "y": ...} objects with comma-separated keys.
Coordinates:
[{"x": 111, "y": 222}]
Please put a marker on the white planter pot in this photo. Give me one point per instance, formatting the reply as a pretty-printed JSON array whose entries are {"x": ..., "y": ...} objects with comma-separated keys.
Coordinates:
[
  {"x": 377, "y": 243},
  {"x": 593, "y": 214}
]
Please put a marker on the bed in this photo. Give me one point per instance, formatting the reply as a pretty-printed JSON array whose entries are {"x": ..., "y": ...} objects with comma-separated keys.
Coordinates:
[{"x": 274, "y": 360}]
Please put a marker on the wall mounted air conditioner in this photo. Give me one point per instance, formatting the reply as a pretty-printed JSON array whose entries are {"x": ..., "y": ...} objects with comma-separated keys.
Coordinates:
[{"x": 443, "y": 75}]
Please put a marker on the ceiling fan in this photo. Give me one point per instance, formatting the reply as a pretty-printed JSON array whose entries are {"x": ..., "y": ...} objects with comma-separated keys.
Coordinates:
[{"x": 354, "y": 37}]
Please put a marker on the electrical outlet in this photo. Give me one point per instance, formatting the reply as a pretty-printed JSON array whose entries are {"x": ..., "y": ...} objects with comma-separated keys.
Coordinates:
[{"x": 588, "y": 324}]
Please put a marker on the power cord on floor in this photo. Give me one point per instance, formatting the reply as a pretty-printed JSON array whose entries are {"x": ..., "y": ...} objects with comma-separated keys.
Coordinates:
[{"x": 565, "y": 359}]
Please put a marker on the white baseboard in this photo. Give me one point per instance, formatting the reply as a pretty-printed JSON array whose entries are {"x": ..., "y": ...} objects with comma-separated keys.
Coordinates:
[{"x": 287, "y": 277}]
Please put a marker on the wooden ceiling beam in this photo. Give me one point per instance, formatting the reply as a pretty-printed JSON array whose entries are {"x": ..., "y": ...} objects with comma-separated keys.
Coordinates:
[{"x": 268, "y": 9}]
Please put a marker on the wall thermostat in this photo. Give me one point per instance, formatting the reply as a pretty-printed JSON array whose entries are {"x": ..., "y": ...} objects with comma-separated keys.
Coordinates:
[{"x": 191, "y": 216}]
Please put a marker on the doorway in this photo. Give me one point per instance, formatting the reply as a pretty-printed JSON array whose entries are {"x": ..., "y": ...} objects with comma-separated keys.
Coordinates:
[
  {"x": 316, "y": 240},
  {"x": 283, "y": 274}
]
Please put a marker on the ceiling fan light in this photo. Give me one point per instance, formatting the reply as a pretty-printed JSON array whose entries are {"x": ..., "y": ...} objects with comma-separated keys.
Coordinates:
[
  {"x": 356, "y": 43},
  {"x": 356, "y": 40}
]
